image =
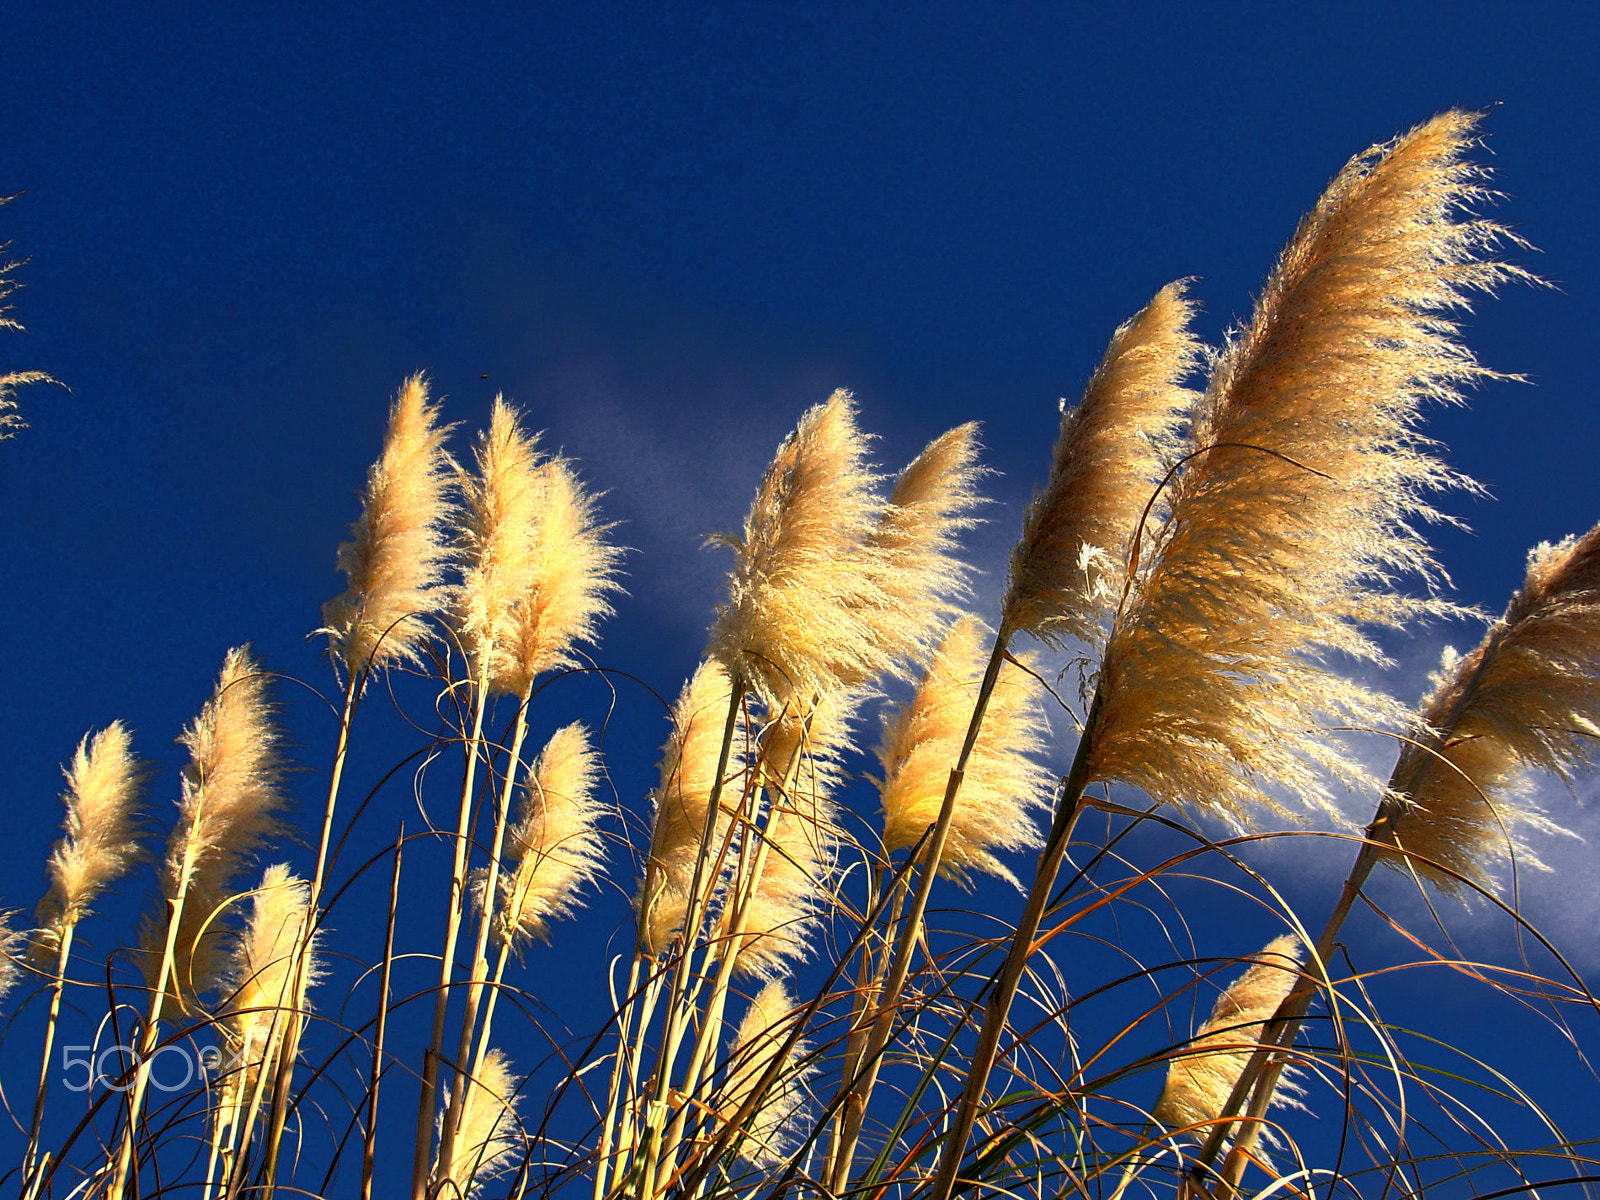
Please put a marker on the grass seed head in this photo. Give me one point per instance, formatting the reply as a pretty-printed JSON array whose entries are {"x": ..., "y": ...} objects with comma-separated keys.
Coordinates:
[
  {"x": 1113, "y": 451},
  {"x": 396, "y": 557},
  {"x": 1004, "y": 785},
  {"x": 1286, "y": 532},
  {"x": 105, "y": 783}
]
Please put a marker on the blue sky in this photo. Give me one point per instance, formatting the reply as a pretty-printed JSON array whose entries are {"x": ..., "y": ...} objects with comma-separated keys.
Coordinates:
[{"x": 665, "y": 230}]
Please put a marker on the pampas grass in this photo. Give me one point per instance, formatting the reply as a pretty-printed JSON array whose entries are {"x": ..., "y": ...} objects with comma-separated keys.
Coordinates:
[
  {"x": 682, "y": 800},
  {"x": 396, "y": 557},
  {"x": 489, "y": 1131},
  {"x": 1202, "y": 1076},
  {"x": 105, "y": 783},
  {"x": 554, "y": 847},
  {"x": 1115, "y": 447},
  {"x": 1526, "y": 699},
  {"x": 229, "y": 811},
  {"x": 805, "y": 605},
  {"x": 763, "y": 1036},
  {"x": 1004, "y": 788},
  {"x": 1301, "y": 504},
  {"x": 537, "y": 568}
]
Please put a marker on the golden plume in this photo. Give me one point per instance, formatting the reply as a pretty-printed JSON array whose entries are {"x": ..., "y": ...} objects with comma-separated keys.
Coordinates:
[
  {"x": 12, "y": 943},
  {"x": 1526, "y": 699},
  {"x": 1003, "y": 787},
  {"x": 554, "y": 847},
  {"x": 490, "y": 1133},
  {"x": 10, "y": 421},
  {"x": 760, "y": 1039},
  {"x": 395, "y": 557},
  {"x": 1114, "y": 449},
  {"x": 258, "y": 981},
  {"x": 538, "y": 568},
  {"x": 1201, "y": 1079},
  {"x": 1290, "y": 523},
  {"x": 228, "y": 810},
  {"x": 805, "y": 598},
  {"x": 914, "y": 544},
  {"x": 105, "y": 782},
  {"x": 688, "y": 774},
  {"x": 801, "y": 835}
]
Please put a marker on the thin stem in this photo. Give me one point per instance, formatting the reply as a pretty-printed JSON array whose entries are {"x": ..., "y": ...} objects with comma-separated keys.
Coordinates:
[
  {"x": 458, "y": 884},
  {"x": 855, "y": 1106},
  {"x": 57, "y": 986},
  {"x": 289, "y": 1051},
  {"x": 608, "y": 1127},
  {"x": 369, "y": 1146},
  {"x": 480, "y": 965},
  {"x": 998, "y": 1007}
]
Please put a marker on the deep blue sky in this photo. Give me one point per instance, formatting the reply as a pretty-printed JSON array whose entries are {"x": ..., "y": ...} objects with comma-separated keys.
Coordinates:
[{"x": 665, "y": 230}]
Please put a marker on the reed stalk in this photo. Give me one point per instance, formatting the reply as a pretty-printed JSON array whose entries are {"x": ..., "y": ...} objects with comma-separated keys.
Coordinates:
[
  {"x": 458, "y": 885},
  {"x": 58, "y": 984},
  {"x": 369, "y": 1141}
]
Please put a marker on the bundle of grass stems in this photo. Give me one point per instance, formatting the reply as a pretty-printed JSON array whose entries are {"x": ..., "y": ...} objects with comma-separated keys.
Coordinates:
[{"x": 800, "y": 999}]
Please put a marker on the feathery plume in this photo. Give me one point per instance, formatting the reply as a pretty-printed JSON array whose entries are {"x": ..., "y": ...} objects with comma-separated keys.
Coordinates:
[
  {"x": 229, "y": 808},
  {"x": 554, "y": 847},
  {"x": 1526, "y": 699},
  {"x": 258, "y": 980},
  {"x": 1114, "y": 448},
  {"x": 802, "y": 836},
  {"x": 914, "y": 544},
  {"x": 688, "y": 774},
  {"x": 395, "y": 557},
  {"x": 105, "y": 782},
  {"x": 489, "y": 1135},
  {"x": 1003, "y": 787},
  {"x": 12, "y": 941},
  {"x": 10, "y": 421},
  {"x": 1200, "y": 1081},
  {"x": 805, "y": 598},
  {"x": 759, "y": 1040},
  {"x": 1286, "y": 532},
  {"x": 538, "y": 568}
]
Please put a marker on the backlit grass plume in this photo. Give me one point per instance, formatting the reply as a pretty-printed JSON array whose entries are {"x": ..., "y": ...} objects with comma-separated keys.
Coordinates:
[
  {"x": 1004, "y": 786},
  {"x": 258, "y": 980},
  {"x": 1200, "y": 1080},
  {"x": 395, "y": 558},
  {"x": 1526, "y": 699},
  {"x": 1068, "y": 568},
  {"x": 490, "y": 1134},
  {"x": 688, "y": 774},
  {"x": 915, "y": 543},
  {"x": 10, "y": 381},
  {"x": 229, "y": 808},
  {"x": 806, "y": 605},
  {"x": 770, "y": 1130},
  {"x": 12, "y": 943},
  {"x": 105, "y": 783},
  {"x": 802, "y": 837},
  {"x": 554, "y": 847},
  {"x": 537, "y": 567},
  {"x": 1288, "y": 528}
]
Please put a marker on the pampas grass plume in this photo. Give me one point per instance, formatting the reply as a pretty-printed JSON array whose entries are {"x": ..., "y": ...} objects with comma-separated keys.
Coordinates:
[
  {"x": 805, "y": 602},
  {"x": 1526, "y": 699},
  {"x": 259, "y": 976},
  {"x": 1004, "y": 786},
  {"x": 1286, "y": 533},
  {"x": 1067, "y": 569},
  {"x": 105, "y": 782},
  {"x": 756, "y": 1045},
  {"x": 554, "y": 847},
  {"x": 915, "y": 542},
  {"x": 688, "y": 774},
  {"x": 395, "y": 557},
  {"x": 489, "y": 1129},
  {"x": 228, "y": 810},
  {"x": 1201, "y": 1080},
  {"x": 802, "y": 836}
]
